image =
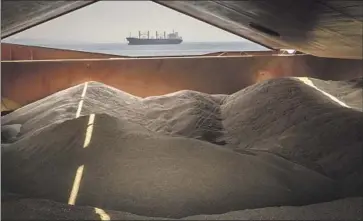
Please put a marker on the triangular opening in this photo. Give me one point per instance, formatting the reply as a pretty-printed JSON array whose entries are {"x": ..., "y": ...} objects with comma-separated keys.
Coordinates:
[{"x": 104, "y": 27}]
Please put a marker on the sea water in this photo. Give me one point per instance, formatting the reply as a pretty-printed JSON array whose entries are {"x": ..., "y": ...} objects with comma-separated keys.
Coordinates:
[{"x": 185, "y": 48}]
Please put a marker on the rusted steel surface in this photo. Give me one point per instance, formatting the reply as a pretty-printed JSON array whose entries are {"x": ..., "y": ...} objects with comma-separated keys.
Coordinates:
[
  {"x": 17, "y": 16},
  {"x": 243, "y": 53},
  {"x": 318, "y": 27},
  {"x": 24, "y": 52},
  {"x": 25, "y": 82}
]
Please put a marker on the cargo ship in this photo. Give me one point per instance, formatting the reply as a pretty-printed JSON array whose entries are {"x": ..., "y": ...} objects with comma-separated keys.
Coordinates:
[{"x": 146, "y": 39}]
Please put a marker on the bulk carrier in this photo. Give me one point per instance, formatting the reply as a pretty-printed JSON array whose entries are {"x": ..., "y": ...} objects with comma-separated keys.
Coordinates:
[{"x": 146, "y": 39}]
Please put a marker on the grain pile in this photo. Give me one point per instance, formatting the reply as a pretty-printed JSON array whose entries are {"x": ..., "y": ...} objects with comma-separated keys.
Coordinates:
[
  {"x": 31, "y": 209},
  {"x": 277, "y": 143}
]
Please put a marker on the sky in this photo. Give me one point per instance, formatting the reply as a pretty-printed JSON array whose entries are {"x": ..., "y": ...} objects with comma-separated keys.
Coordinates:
[{"x": 112, "y": 22}]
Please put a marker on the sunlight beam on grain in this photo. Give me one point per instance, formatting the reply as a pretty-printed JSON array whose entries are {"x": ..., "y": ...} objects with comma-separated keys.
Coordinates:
[
  {"x": 89, "y": 131},
  {"x": 75, "y": 187},
  {"x": 307, "y": 81},
  {"x": 80, "y": 104},
  {"x": 103, "y": 215},
  {"x": 79, "y": 173}
]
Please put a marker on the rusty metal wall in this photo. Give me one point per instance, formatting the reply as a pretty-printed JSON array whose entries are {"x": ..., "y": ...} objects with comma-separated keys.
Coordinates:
[
  {"x": 25, "y": 82},
  {"x": 24, "y": 52}
]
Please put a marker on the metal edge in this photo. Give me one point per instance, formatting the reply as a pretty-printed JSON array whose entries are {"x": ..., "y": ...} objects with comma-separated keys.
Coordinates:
[{"x": 81, "y": 5}]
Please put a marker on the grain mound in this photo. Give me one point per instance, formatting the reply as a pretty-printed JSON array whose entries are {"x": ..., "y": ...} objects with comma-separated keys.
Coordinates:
[
  {"x": 33, "y": 209},
  {"x": 129, "y": 168},
  {"x": 289, "y": 118},
  {"x": 281, "y": 142}
]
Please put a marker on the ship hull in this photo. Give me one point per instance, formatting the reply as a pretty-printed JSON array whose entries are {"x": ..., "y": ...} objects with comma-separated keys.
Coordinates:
[{"x": 138, "y": 41}]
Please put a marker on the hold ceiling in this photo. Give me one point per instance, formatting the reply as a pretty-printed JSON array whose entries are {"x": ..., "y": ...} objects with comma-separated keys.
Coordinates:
[{"x": 321, "y": 28}]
